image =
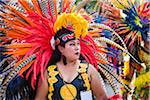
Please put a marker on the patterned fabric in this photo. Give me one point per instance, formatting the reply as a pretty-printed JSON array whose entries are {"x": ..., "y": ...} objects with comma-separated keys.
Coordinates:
[{"x": 59, "y": 89}]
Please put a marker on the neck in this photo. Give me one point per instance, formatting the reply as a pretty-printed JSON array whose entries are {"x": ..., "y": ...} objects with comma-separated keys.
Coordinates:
[{"x": 70, "y": 62}]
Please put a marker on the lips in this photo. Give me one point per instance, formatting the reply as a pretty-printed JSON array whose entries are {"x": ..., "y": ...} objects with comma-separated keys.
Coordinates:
[{"x": 77, "y": 53}]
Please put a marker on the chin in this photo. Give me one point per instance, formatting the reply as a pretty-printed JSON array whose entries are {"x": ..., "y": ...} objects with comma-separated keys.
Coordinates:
[
  {"x": 73, "y": 58},
  {"x": 76, "y": 58}
]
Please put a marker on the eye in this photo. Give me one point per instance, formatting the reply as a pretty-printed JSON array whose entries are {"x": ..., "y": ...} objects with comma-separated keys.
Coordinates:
[
  {"x": 72, "y": 44},
  {"x": 78, "y": 43}
]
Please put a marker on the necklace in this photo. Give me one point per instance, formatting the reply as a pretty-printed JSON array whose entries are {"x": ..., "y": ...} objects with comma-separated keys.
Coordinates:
[{"x": 71, "y": 88}]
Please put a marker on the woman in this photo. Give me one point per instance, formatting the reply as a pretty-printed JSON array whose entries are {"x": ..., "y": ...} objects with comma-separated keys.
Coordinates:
[
  {"x": 70, "y": 73},
  {"x": 71, "y": 78}
]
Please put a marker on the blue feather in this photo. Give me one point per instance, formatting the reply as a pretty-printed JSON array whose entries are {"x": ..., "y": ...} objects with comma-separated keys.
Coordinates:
[
  {"x": 107, "y": 34},
  {"x": 100, "y": 19},
  {"x": 130, "y": 20}
]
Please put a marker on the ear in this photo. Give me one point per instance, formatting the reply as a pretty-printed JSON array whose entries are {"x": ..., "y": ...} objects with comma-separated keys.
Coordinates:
[{"x": 60, "y": 48}]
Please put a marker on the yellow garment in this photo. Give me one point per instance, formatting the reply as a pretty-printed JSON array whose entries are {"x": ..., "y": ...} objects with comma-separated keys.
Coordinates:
[{"x": 64, "y": 89}]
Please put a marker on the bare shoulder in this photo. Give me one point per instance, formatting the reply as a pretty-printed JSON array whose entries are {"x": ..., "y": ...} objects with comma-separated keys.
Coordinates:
[
  {"x": 46, "y": 74},
  {"x": 92, "y": 70}
]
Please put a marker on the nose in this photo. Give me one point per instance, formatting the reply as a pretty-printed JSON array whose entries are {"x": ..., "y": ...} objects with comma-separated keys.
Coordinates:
[{"x": 77, "y": 47}]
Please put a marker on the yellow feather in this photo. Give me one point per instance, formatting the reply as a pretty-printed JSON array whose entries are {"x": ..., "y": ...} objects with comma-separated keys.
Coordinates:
[
  {"x": 121, "y": 4},
  {"x": 77, "y": 22},
  {"x": 142, "y": 80},
  {"x": 126, "y": 69}
]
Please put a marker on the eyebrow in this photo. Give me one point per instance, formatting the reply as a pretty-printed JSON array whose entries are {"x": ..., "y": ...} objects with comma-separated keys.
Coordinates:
[{"x": 75, "y": 41}]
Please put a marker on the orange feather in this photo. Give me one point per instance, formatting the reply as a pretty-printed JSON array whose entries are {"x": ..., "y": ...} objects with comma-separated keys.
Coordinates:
[
  {"x": 102, "y": 61},
  {"x": 25, "y": 5},
  {"x": 18, "y": 45},
  {"x": 37, "y": 8},
  {"x": 55, "y": 9},
  {"x": 18, "y": 52},
  {"x": 22, "y": 29},
  {"x": 20, "y": 61},
  {"x": 14, "y": 21},
  {"x": 26, "y": 67},
  {"x": 13, "y": 34},
  {"x": 20, "y": 15},
  {"x": 124, "y": 31}
]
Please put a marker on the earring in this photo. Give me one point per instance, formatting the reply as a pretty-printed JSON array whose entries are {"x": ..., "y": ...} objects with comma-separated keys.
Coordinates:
[{"x": 64, "y": 60}]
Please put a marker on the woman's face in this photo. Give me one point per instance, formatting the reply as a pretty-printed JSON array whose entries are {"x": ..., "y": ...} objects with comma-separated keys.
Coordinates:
[{"x": 71, "y": 50}]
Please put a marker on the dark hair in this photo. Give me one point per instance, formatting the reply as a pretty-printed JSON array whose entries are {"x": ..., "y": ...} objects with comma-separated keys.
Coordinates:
[{"x": 56, "y": 56}]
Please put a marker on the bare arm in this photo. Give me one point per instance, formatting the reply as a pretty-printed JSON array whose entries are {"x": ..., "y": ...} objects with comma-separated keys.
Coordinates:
[
  {"x": 97, "y": 84},
  {"x": 42, "y": 91}
]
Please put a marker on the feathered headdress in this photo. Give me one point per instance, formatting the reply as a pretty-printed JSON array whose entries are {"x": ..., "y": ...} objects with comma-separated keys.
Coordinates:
[
  {"x": 130, "y": 18},
  {"x": 31, "y": 31}
]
